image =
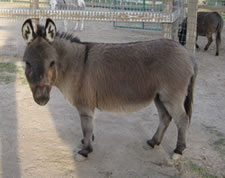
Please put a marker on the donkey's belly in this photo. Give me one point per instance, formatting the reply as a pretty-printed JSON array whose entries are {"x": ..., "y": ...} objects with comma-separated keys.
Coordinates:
[
  {"x": 124, "y": 105},
  {"x": 124, "y": 108}
]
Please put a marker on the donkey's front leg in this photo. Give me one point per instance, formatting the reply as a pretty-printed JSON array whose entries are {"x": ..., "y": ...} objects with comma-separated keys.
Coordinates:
[{"x": 86, "y": 118}]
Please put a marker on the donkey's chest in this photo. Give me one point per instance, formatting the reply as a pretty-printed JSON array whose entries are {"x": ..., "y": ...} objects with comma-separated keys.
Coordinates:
[
  {"x": 67, "y": 91},
  {"x": 67, "y": 95}
]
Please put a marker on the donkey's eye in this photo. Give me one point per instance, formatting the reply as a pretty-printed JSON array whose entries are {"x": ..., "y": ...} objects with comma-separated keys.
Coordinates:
[
  {"x": 27, "y": 64},
  {"x": 52, "y": 64}
]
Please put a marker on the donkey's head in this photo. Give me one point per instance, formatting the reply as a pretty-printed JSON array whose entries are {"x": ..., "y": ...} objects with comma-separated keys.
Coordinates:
[{"x": 40, "y": 59}]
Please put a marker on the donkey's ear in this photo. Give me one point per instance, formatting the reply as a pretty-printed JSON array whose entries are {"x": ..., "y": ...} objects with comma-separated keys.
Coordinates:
[
  {"x": 28, "y": 31},
  {"x": 50, "y": 30}
]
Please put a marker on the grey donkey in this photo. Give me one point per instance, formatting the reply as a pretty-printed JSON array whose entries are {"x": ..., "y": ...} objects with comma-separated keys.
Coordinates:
[
  {"x": 208, "y": 23},
  {"x": 112, "y": 77}
]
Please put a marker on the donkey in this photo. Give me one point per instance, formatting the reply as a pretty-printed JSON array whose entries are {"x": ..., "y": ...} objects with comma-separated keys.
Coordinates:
[
  {"x": 207, "y": 24},
  {"x": 111, "y": 77},
  {"x": 69, "y": 5}
]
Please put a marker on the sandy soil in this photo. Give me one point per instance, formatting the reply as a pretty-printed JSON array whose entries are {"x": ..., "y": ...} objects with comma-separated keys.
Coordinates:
[{"x": 40, "y": 141}]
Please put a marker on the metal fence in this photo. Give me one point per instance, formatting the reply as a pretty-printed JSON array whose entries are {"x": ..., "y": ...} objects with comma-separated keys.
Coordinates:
[
  {"x": 146, "y": 13},
  {"x": 157, "y": 15},
  {"x": 108, "y": 12}
]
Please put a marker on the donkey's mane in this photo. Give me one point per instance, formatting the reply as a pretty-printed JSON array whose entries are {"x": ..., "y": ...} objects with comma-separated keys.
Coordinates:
[
  {"x": 41, "y": 32},
  {"x": 68, "y": 36}
]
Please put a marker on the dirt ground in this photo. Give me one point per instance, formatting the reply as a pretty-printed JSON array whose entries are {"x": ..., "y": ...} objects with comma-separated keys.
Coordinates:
[{"x": 40, "y": 141}]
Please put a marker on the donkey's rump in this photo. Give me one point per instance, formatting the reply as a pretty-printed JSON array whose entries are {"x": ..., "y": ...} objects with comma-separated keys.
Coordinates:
[
  {"x": 208, "y": 22},
  {"x": 124, "y": 75}
]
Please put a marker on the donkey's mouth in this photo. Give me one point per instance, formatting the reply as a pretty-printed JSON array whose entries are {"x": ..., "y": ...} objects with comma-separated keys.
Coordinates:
[
  {"x": 41, "y": 95},
  {"x": 42, "y": 100}
]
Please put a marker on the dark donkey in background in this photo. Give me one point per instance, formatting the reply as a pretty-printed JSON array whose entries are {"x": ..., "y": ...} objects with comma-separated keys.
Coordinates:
[
  {"x": 112, "y": 77},
  {"x": 207, "y": 24}
]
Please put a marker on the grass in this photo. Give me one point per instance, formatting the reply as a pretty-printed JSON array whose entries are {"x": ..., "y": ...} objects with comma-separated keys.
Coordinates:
[
  {"x": 219, "y": 143},
  {"x": 199, "y": 171},
  {"x": 10, "y": 72},
  {"x": 6, "y": 79},
  {"x": 212, "y": 130},
  {"x": 23, "y": 80},
  {"x": 8, "y": 67}
]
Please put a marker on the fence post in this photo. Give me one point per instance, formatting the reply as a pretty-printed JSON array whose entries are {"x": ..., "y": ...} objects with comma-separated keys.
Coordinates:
[
  {"x": 34, "y": 4},
  {"x": 192, "y": 24},
  {"x": 167, "y": 27},
  {"x": 182, "y": 10}
]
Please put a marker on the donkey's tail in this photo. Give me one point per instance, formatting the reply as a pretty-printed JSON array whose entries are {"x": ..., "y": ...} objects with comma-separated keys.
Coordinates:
[
  {"x": 219, "y": 27},
  {"x": 189, "y": 98}
]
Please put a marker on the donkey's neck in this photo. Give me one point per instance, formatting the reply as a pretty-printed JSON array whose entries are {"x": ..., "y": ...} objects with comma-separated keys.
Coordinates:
[{"x": 70, "y": 64}]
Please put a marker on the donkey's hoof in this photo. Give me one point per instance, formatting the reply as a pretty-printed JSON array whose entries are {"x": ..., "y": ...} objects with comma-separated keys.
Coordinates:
[
  {"x": 176, "y": 156},
  {"x": 79, "y": 157},
  {"x": 217, "y": 54},
  {"x": 78, "y": 148},
  {"x": 152, "y": 143}
]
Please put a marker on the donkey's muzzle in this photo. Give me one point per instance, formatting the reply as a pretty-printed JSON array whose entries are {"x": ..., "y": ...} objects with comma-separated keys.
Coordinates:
[{"x": 41, "y": 95}]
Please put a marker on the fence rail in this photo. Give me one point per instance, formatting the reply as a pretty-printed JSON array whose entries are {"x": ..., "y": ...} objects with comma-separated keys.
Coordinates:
[{"x": 91, "y": 15}]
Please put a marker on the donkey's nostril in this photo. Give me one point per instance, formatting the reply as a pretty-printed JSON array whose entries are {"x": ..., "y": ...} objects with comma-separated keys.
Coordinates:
[
  {"x": 52, "y": 64},
  {"x": 41, "y": 95}
]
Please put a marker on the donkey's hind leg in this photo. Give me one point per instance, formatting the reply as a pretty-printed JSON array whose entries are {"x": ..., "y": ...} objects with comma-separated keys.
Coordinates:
[
  {"x": 65, "y": 24},
  {"x": 76, "y": 26},
  {"x": 196, "y": 44},
  {"x": 210, "y": 40},
  {"x": 218, "y": 42},
  {"x": 82, "y": 25},
  {"x": 178, "y": 113},
  {"x": 164, "y": 120}
]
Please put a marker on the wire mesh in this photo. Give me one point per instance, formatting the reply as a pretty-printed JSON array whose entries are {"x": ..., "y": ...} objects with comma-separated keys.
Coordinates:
[
  {"x": 96, "y": 10},
  {"x": 155, "y": 15},
  {"x": 142, "y": 5}
]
